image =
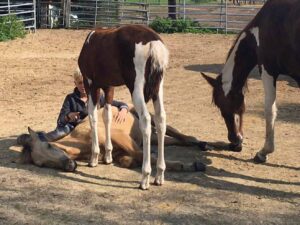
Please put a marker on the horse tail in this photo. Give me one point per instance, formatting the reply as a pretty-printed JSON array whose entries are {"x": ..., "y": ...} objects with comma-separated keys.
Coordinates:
[{"x": 156, "y": 65}]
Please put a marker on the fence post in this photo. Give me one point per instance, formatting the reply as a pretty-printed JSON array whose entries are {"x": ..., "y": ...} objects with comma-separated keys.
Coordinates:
[
  {"x": 8, "y": 5},
  {"x": 67, "y": 13},
  {"x": 34, "y": 14},
  {"x": 226, "y": 17},
  {"x": 96, "y": 12},
  {"x": 183, "y": 9}
]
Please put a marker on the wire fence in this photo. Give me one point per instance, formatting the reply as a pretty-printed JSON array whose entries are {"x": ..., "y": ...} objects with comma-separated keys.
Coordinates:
[
  {"x": 23, "y": 9},
  {"x": 221, "y": 15}
]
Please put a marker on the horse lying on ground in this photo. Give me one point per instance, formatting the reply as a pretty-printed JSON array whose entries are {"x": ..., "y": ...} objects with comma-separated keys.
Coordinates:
[
  {"x": 126, "y": 139},
  {"x": 272, "y": 42}
]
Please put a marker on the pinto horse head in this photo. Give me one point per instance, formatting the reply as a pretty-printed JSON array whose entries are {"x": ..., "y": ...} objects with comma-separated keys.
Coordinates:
[
  {"x": 42, "y": 153},
  {"x": 232, "y": 108}
]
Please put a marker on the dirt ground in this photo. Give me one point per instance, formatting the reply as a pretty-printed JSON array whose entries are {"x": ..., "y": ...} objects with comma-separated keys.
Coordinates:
[{"x": 36, "y": 74}]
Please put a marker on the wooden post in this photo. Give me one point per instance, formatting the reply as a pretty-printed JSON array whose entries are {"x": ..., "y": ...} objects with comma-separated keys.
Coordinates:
[{"x": 67, "y": 12}]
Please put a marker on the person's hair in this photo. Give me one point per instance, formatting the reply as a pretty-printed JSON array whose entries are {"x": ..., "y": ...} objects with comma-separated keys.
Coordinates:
[{"x": 77, "y": 75}]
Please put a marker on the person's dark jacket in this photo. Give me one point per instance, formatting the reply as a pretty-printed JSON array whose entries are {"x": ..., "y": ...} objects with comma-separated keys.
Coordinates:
[{"x": 73, "y": 103}]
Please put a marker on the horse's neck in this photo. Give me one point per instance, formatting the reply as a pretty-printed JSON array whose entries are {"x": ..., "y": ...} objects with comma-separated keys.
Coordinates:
[{"x": 239, "y": 65}]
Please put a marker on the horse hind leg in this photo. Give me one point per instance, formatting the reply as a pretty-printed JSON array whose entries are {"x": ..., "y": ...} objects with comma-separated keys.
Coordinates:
[
  {"x": 140, "y": 106},
  {"x": 145, "y": 126},
  {"x": 270, "y": 114},
  {"x": 160, "y": 124}
]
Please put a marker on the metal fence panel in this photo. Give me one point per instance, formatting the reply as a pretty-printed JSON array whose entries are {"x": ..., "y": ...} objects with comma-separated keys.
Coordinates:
[
  {"x": 94, "y": 13},
  {"x": 24, "y": 9},
  {"x": 220, "y": 16}
]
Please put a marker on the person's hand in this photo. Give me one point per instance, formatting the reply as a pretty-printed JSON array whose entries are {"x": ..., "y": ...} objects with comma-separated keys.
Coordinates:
[
  {"x": 73, "y": 116},
  {"x": 121, "y": 116}
]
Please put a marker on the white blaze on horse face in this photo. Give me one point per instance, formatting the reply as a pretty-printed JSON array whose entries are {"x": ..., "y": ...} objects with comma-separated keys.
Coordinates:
[
  {"x": 90, "y": 35},
  {"x": 255, "y": 32},
  {"x": 89, "y": 81},
  {"x": 227, "y": 73}
]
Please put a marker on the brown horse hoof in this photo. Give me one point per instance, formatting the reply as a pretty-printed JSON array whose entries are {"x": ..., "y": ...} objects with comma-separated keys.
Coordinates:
[
  {"x": 204, "y": 146},
  {"x": 235, "y": 147},
  {"x": 258, "y": 159},
  {"x": 199, "y": 166}
]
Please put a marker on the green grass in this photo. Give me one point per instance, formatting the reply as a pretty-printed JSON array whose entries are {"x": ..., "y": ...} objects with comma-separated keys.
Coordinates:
[{"x": 11, "y": 28}]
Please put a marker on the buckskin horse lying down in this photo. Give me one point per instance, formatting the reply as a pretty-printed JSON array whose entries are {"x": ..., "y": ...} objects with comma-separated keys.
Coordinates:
[{"x": 126, "y": 139}]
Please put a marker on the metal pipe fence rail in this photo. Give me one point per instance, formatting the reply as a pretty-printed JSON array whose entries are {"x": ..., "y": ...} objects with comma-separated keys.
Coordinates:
[
  {"x": 220, "y": 16},
  {"x": 24, "y": 10},
  {"x": 106, "y": 13}
]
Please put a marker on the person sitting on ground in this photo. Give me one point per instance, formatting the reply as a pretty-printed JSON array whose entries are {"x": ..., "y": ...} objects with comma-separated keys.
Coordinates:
[{"x": 74, "y": 110}]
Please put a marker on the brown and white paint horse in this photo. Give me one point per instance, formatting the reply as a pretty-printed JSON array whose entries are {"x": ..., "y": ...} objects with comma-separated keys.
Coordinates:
[
  {"x": 133, "y": 55},
  {"x": 126, "y": 140},
  {"x": 271, "y": 41}
]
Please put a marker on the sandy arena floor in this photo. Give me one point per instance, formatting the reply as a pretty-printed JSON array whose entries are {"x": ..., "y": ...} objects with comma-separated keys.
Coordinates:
[{"x": 36, "y": 74}]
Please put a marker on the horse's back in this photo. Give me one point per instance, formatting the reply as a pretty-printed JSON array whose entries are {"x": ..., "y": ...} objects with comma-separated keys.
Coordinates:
[{"x": 107, "y": 54}]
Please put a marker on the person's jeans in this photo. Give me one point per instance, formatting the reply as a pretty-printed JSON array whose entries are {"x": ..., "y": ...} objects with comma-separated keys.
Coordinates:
[{"x": 56, "y": 134}]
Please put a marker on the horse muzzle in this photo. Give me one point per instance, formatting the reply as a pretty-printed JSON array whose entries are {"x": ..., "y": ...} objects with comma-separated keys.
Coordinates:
[{"x": 70, "y": 165}]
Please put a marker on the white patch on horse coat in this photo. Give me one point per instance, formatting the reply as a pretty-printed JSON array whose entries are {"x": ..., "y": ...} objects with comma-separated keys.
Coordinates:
[
  {"x": 255, "y": 32},
  {"x": 89, "y": 81},
  {"x": 270, "y": 111},
  {"x": 160, "y": 55},
  {"x": 93, "y": 118},
  {"x": 227, "y": 73},
  {"x": 108, "y": 144},
  {"x": 90, "y": 35}
]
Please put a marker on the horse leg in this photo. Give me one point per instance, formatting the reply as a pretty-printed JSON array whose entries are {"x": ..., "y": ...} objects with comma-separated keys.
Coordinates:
[
  {"x": 109, "y": 92},
  {"x": 270, "y": 114},
  {"x": 160, "y": 124},
  {"x": 93, "y": 99},
  {"x": 145, "y": 126}
]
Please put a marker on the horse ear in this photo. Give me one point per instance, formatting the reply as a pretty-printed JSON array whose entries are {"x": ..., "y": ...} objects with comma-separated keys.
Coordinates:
[
  {"x": 33, "y": 134},
  {"x": 210, "y": 80}
]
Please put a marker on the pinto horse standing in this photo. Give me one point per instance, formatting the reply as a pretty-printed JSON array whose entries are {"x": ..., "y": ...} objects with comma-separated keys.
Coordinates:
[
  {"x": 133, "y": 55},
  {"x": 271, "y": 41}
]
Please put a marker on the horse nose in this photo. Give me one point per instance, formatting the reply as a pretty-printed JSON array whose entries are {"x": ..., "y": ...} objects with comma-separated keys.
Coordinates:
[{"x": 70, "y": 165}]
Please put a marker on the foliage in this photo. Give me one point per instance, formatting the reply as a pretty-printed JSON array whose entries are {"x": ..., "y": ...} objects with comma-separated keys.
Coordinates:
[
  {"x": 11, "y": 28},
  {"x": 167, "y": 25}
]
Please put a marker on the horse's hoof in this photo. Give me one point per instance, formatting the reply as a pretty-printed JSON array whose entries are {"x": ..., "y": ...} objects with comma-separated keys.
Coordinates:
[
  {"x": 199, "y": 166},
  {"x": 142, "y": 187},
  {"x": 158, "y": 182},
  {"x": 258, "y": 159},
  {"x": 204, "y": 146},
  {"x": 235, "y": 147}
]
